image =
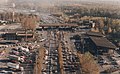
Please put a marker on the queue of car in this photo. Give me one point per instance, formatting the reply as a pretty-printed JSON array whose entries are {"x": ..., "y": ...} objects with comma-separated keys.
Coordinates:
[{"x": 70, "y": 61}]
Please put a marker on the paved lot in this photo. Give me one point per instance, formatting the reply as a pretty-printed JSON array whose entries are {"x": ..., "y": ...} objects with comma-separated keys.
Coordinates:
[{"x": 10, "y": 26}]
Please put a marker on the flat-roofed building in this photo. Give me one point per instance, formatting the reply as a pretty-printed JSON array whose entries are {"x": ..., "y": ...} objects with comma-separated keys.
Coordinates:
[
  {"x": 8, "y": 42},
  {"x": 17, "y": 35}
]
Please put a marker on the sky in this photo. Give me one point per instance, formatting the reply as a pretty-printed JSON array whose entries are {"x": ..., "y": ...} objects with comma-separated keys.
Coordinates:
[
  {"x": 2, "y": 1},
  {"x": 53, "y": 1},
  {"x": 57, "y": 0}
]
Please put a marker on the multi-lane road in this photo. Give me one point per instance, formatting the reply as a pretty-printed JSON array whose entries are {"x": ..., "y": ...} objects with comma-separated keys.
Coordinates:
[
  {"x": 51, "y": 59},
  {"x": 48, "y": 19}
]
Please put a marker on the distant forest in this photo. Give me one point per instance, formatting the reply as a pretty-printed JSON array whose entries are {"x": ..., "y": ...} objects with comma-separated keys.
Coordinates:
[{"x": 96, "y": 12}]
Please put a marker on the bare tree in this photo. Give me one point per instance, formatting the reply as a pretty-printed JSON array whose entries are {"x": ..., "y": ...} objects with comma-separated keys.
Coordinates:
[{"x": 88, "y": 64}]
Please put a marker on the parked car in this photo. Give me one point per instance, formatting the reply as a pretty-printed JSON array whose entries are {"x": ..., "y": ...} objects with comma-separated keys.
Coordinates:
[
  {"x": 15, "y": 66},
  {"x": 17, "y": 58}
]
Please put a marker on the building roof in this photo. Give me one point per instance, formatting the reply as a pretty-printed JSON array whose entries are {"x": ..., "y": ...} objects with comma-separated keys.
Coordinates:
[
  {"x": 97, "y": 34},
  {"x": 102, "y": 42},
  {"x": 24, "y": 34},
  {"x": 3, "y": 41}
]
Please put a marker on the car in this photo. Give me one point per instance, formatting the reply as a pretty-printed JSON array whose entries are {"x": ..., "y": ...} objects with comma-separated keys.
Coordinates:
[
  {"x": 101, "y": 61},
  {"x": 6, "y": 72},
  {"x": 14, "y": 52},
  {"x": 42, "y": 40},
  {"x": 46, "y": 62}
]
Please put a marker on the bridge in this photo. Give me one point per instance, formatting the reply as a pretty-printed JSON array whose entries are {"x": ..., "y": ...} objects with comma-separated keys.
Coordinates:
[{"x": 58, "y": 25}]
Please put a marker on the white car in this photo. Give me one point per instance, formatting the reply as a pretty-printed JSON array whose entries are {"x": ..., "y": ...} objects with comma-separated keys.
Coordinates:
[{"x": 6, "y": 72}]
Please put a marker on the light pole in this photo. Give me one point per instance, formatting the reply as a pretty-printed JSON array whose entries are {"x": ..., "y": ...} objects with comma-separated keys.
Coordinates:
[{"x": 13, "y": 13}]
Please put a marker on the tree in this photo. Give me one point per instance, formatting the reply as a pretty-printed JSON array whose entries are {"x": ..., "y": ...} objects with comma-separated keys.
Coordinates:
[
  {"x": 88, "y": 64},
  {"x": 29, "y": 22},
  {"x": 101, "y": 23},
  {"x": 32, "y": 22},
  {"x": 60, "y": 58}
]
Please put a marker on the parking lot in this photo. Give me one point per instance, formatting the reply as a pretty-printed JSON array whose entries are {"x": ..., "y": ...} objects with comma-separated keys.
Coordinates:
[
  {"x": 109, "y": 64},
  {"x": 17, "y": 60},
  {"x": 51, "y": 59}
]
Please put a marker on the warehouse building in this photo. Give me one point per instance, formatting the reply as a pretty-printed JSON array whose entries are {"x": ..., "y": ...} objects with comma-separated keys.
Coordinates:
[{"x": 98, "y": 44}]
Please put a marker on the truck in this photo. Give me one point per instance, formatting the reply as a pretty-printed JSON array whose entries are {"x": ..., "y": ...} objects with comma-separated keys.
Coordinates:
[
  {"x": 15, "y": 66},
  {"x": 16, "y": 58},
  {"x": 23, "y": 49}
]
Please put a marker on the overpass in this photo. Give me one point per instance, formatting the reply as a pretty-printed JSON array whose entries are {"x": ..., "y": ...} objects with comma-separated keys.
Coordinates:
[{"x": 58, "y": 25}]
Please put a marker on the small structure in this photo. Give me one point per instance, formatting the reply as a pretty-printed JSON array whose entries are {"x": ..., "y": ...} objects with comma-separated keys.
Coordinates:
[{"x": 86, "y": 23}]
